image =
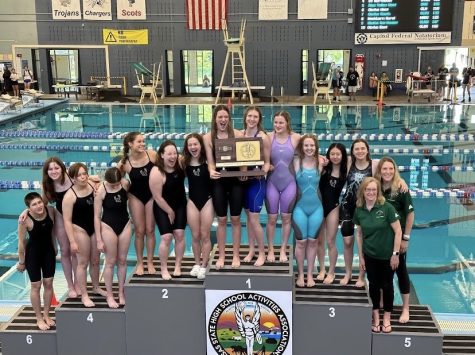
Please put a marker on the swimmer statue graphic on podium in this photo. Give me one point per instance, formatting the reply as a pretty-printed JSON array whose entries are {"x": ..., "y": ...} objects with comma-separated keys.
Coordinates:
[{"x": 248, "y": 328}]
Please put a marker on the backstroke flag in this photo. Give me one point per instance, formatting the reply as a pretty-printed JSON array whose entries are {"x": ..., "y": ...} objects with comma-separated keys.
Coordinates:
[{"x": 206, "y": 14}]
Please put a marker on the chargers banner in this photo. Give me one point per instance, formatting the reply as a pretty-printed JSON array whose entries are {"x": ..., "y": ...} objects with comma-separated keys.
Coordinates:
[
  {"x": 97, "y": 10},
  {"x": 273, "y": 9},
  {"x": 312, "y": 9},
  {"x": 66, "y": 9},
  {"x": 131, "y": 10}
]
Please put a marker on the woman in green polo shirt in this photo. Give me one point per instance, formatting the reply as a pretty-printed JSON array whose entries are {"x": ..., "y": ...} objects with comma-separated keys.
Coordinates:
[
  {"x": 388, "y": 173},
  {"x": 379, "y": 238}
]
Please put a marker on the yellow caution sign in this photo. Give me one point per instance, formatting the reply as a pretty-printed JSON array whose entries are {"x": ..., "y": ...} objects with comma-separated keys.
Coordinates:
[{"x": 125, "y": 37}]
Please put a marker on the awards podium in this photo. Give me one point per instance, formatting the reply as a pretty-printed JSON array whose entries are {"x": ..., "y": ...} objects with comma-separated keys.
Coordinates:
[
  {"x": 230, "y": 312},
  {"x": 341, "y": 313},
  {"x": 99, "y": 330},
  {"x": 166, "y": 317}
]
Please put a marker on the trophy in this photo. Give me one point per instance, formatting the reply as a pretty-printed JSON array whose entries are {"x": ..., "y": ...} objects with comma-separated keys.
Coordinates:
[{"x": 238, "y": 153}]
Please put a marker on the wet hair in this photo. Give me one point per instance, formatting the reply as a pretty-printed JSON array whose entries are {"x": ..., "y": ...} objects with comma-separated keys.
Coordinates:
[
  {"x": 160, "y": 163},
  {"x": 286, "y": 116},
  {"x": 359, "y": 140},
  {"x": 74, "y": 169},
  {"x": 360, "y": 201},
  {"x": 29, "y": 197},
  {"x": 113, "y": 175},
  {"x": 186, "y": 153},
  {"x": 214, "y": 127},
  {"x": 396, "y": 179},
  {"x": 344, "y": 160},
  {"x": 129, "y": 138},
  {"x": 48, "y": 183},
  {"x": 259, "y": 124},
  {"x": 300, "y": 148}
]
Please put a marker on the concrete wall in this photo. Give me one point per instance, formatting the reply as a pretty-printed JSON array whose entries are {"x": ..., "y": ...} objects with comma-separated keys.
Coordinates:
[
  {"x": 273, "y": 48},
  {"x": 17, "y": 25}
]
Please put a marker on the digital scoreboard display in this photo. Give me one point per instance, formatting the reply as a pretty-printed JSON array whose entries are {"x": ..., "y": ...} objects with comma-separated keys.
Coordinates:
[{"x": 404, "y": 15}]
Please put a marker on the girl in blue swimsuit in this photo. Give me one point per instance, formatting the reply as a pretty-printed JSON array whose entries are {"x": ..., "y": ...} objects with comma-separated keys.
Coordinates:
[
  {"x": 113, "y": 230},
  {"x": 137, "y": 162},
  {"x": 255, "y": 188},
  {"x": 307, "y": 215},
  {"x": 199, "y": 209}
]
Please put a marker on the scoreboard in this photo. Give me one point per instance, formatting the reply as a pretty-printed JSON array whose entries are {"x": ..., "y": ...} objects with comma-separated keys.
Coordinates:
[
  {"x": 404, "y": 15},
  {"x": 405, "y": 19}
]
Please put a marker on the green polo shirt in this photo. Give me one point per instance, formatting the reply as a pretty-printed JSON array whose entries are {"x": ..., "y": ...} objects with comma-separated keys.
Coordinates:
[
  {"x": 402, "y": 202},
  {"x": 378, "y": 235}
]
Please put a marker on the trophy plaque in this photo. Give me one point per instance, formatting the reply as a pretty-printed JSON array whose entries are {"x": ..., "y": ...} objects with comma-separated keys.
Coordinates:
[{"x": 233, "y": 154}]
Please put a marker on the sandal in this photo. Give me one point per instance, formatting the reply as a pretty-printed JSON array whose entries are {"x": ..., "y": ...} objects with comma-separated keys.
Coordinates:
[
  {"x": 387, "y": 328},
  {"x": 376, "y": 329}
]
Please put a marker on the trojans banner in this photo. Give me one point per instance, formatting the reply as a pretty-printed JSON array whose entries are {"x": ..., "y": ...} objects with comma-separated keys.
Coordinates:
[
  {"x": 273, "y": 9},
  {"x": 97, "y": 10},
  {"x": 66, "y": 10},
  {"x": 312, "y": 9},
  {"x": 131, "y": 10}
]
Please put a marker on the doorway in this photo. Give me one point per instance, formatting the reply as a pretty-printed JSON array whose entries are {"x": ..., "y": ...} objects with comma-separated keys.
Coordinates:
[
  {"x": 64, "y": 65},
  {"x": 198, "y": 71}
]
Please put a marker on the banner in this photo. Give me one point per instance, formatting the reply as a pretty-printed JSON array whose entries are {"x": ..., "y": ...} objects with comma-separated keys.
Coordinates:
[
  {"x": 206, "y": 14},
  {"x": 273, "y": 9},
  {"x": 96, "y": 10},
  {"x": 66, "y": 9},
  {"x": 125, "y": 37},
  {"x": 131, "y": 10},
  {"x": 312, "y": 9},
  {"x": 403, "y": 37}
]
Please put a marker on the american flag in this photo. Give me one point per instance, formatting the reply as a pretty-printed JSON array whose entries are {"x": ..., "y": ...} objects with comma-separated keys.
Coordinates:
[{"x": 206, "y": 14}]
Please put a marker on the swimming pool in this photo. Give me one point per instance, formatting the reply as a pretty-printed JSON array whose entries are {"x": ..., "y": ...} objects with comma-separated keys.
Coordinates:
[{"x": 433, "y": 145}]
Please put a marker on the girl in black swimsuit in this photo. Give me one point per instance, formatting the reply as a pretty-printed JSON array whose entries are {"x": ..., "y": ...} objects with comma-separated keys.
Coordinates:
[
  {"x": 113, "y": 231},
  {"x": 138, "y": 162},
  {"x": 167, "y": 183},
  {"x": 78, "y": 215},
  {"x": 331, "y": 183},
  {"x": 199, "y": 209},
  {"x": 55, "y": 183}
]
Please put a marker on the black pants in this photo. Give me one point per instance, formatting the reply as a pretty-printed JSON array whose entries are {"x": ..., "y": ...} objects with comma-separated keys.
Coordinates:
[
  {"x": 380, "y": 277},
  {"x": 403, "y": 275}
]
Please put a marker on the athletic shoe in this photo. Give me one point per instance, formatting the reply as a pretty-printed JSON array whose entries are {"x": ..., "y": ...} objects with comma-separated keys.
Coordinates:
[
  {"x": 195, "y": 270},
  {"x": 201, "y": 273}
]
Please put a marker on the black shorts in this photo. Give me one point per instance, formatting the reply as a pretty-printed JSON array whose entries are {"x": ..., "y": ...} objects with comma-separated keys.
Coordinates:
[
  {"x": 335, "y": 84},
  {"x": 163, "y": 222},
  {"x": 40, "y": 264},
  {"x": 227, "y": 191}
]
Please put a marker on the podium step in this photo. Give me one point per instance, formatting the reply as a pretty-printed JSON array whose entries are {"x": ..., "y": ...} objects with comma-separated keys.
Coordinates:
[
  {"x": 459, "y": 344},
  {"x": 270, "y": 276},
  {"x": 21, "y": 335},
  {"x": 103, "y": 327},
  {"x": 420, "y": 336},
  {"x": 158, "y": 311},
  {"x": 332, "y": 309}
]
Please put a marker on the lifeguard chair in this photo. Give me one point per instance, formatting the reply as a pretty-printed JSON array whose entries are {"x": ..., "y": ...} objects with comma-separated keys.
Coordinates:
[
  {"x": 322, "y": 84},
  {"x": 235, "y": 51},
  {"x": 154, "y": 84}
]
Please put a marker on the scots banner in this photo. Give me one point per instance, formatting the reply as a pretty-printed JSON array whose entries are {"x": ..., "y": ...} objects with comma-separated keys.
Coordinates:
[
  {"x": 97, "y": 10},
  {"x": 66, "y": 9},
  {"x": 312, "y": 9},
  {"x": 205, "y": 14},
  {"x": 131, "y": 10},
  {"x": 273, "y": 9}
]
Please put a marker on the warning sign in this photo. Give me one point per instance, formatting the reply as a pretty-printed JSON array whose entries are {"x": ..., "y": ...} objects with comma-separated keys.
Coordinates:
[{"x": 125, "y": 37}]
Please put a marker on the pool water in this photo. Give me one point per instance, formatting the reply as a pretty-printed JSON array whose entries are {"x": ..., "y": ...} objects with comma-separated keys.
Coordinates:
[{"x": 433, "y": 145}]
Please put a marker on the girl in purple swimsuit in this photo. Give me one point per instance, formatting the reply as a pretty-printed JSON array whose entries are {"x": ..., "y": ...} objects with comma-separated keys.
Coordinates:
[{"x": 281, "y": 187}]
